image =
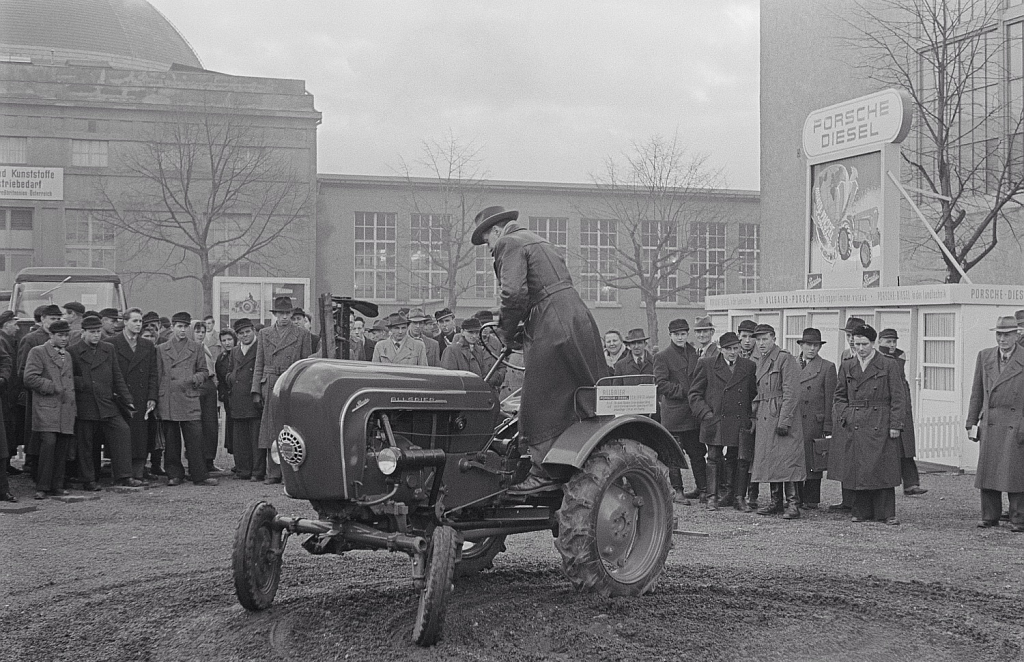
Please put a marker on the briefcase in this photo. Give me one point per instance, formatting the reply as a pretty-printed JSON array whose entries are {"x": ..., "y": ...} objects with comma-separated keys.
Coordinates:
[{"x": 819, "y": 454}]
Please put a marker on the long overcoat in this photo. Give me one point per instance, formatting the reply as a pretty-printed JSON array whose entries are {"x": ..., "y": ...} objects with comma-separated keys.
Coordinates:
[
  {"x": 562, "y": 346},
  {"x": 178, "y": 361},
  {"x": 728, "y": 395},
  {"x": 239, "y": 383},
  {"x": 98, "y": 380},
  {"x": 6, "y": 372},
  {"x": 51, "y": 378},
  {"x": 817, "y": 392},
  {"x": 28, "y": 341},
  {"x": 868, "y": 404},
  {"x": 277, "y": 348},
  {"x": 908, "y": 436},
  {"x": 997, "y": 407},
  {"x": 778, "y": 459},
  {"x": 140, "y": 373},
  {"x": 412, "y": 352},
  {"x": 673, "y": 372},
  {"x": 459, "y": 355}
]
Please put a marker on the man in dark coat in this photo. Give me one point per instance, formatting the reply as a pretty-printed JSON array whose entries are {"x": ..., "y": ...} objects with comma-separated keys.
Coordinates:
[
  {"x": 50, "y": 376},
  {"x": 869, "y": 413},
  {"x": 674, "y": 367},
  {"x": 996, "y": 396},
  {"x": 109, "y": 318},
  {"x": 9, "y": 392},
  {"x": 6, "y": 369},
  {"x": 136, "y": 358},
  {"x": 721, "y": 397},
  {"x": 99, "y": 388},
  {"x": 445, "y": 319},
  {"x": 278, "y": 348},
  {"x": 748, "y": 343},
  {"x": 466, "y": 352},
  {"x": 250, "y": 463},
  {"x": 416, "y": 320},
  {"x": 817, "y": 391},
  {"x": 1019, "y": 318},
  {"x": 637, "y": 365},
  {"x": 887, "y": 340},
  {"x": 45, "y": 316},
  {"x": 847, "y": 354},
  {"x": 562, "y": 344},
  {"x": 360, "y": 346}
]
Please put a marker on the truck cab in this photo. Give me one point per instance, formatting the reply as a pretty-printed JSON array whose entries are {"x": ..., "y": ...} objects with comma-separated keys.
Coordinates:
[{"x": 94, "y": 288}]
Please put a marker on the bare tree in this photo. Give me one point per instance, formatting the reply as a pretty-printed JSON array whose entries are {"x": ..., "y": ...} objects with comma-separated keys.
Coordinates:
[
  {"x": 443, "y": 202},
  {"x": 657, "y": 196},
  {"x": 966, "y": 144},
  {"x": 204, "y": 193}
]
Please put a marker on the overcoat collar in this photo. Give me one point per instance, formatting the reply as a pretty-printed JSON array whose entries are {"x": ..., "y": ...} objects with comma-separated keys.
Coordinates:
[
  {"x": 124, "y": 350},
  {"x": 723, "y": 373},
  {"x": 874, "y": 366},
  {"x": 281, "y": 337},
  {"x": 181, "y": 350},
  {"x": 811, "y": 370},
  {"x": 245, "y": 358},
  {"x": 1012, "y": 368},
  {"x": 766, "y": 361}
]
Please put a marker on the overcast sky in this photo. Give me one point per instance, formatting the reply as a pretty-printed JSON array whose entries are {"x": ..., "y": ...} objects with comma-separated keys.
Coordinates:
[{"x": 546, "y": 89}]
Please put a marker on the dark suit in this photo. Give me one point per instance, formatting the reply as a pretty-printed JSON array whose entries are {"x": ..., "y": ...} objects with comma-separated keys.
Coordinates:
[
  {"x": 722, "y": 399},
  {"x": 673, "y": 373},
  {"x": 245, "y": 416},
  {"x": 138, "y": 367},
  {"x": 98, "y": 381},
  {"x": 817, "y": 390}
]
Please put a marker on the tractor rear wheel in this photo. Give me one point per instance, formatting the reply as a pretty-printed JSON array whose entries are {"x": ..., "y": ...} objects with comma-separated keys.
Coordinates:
[
  {"x": 478, "y": 555},
  {"x": 615, "y": 523},
  {"x": 256, "y": 557},
  {"x": 440, "y": 572}
]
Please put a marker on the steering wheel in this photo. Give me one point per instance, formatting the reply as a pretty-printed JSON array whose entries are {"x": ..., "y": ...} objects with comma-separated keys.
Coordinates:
[{"x": 502, "y": 356}]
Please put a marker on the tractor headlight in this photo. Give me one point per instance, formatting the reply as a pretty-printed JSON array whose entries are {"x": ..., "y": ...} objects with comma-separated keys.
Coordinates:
[
  {"x": 275, "y": 455},
  {"x": 387, "y": 461},
  {"x": 290, "y": 446}
]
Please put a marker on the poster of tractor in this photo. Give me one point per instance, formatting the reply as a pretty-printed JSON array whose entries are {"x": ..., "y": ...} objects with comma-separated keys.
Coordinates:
[{"x": 845, "y": 224}]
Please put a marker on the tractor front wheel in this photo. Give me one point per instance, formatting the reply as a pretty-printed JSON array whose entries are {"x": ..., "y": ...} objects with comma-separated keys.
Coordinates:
[
  {"x": 440, "y": 572},
  {"x": 256, "y": 557},
  {"x": 615, "y": 523}
]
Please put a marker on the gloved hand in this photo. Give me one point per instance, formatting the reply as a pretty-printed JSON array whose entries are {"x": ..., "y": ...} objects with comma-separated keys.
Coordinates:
[
  {"x": 513, "y": 342},
  {"x": 782, "y": 431}
]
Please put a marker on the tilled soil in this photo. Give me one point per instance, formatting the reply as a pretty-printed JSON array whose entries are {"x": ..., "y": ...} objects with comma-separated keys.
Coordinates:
[{"x": 147, "y": 577}]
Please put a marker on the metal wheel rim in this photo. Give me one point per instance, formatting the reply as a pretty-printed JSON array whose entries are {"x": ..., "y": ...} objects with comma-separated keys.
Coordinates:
[
  {"x": 265, "y": 559},
  {"x": 628, "y": 525},
  {"x": 471, "y": 549}
]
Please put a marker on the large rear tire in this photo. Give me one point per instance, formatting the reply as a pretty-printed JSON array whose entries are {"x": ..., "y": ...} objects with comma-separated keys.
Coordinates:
[
  {"x": 478, "y": 555},
  {"x": 615, "y": 523},
  {"x": 441, "y": 555},
  {"x": 256, "y": 557}
]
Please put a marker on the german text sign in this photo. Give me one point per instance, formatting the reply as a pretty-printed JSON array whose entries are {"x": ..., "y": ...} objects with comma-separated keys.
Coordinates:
[
  {"x": 31, "y": 183},
  {"x": 619, "y": 400}
]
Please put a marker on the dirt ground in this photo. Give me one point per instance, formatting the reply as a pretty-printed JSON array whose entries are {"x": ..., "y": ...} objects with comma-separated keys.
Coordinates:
[{"x": 147, "y": 577}]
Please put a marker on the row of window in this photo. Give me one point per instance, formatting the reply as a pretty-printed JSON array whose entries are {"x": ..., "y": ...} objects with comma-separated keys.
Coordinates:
[
  {"x": 376, "y": 257},
  {"x": 88, "y": 153}
]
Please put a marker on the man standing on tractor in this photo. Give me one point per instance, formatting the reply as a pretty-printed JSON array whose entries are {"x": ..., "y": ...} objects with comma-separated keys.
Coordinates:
[{"x": 562, "y": 348}]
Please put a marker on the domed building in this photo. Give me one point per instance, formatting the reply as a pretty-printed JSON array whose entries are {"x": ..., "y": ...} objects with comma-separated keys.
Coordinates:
[{"x": 85, "y": 85}]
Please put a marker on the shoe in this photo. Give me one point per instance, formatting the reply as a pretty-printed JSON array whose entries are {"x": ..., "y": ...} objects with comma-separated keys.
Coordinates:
[
  {"x": 9, "y": 497},
  {"x": 914, "y": 490},
  {"x": 987, "y": 524},
  {"x": 272, "y": 481},
  {"x": 727, "y": 502},
  {"x": 531, "y": 485},
  {"x": 39, "y": 496},
  {"x": 740, "y": 505},
  {"x": 255, "y": 479},
  {"x": 713, "y": 503},
  {"x": 1017, "y": 528},
  {"x": 91, "y": 487},
  {"x": 838, "y": 507},
  {"x": 209, "y": 482},
  {"x": 214, "y": 469},
  {"x": 1005, "y": 516},
  {"x": 14, "y": 471},
  {"x": 810, "y": 506},
  {"x": 146, "y": 475},
  {"x": 693, "y": 494},
  {"x": 243, "y": 477},
  {"x": 857, "y": 520},
  {"x": 892, "y": 521},
  {"x": 130, "y": 482},
  {"x": 791, "y": 513},
  {"x": 157, "y": 471},
  {"x": 174, "y": 481},
  {"x": 771, "y": 509}
]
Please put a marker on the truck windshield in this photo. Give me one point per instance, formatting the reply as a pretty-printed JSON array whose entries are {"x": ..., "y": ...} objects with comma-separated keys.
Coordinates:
[{"x": 30, "y": 295}]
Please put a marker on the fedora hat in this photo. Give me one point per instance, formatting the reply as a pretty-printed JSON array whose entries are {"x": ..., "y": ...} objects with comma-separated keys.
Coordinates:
[
  {"x": 417, "y": 315},
  {"x": 282, "y": 305},
  {"x": 1019, "y": 315},
  {"x": 396, "y": 319},
  {"x": 487, "y": 219},
  {"x": 811, "y": 335},
  {"x": 379, "y": 325},
  {"x": 703, "y": 323},
  {"x": 761, "y": 330},
  {"x": 728, "y": 339},
  {"x": 852, "y": 323},
  {"x": 635, "y": 335},
  {"x": 1005, "y": 324}
]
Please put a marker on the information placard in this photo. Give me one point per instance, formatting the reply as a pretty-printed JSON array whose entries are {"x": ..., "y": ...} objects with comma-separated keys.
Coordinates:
[{"x": 620, "y": 400}]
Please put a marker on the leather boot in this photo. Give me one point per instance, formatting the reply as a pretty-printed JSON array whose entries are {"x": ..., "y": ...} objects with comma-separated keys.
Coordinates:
[
  {"x": 753, "y": 491},
  {"x": 792, "y": 505},
  {"x": 775, "y": 507},
  {"x": 712, "y": 488},
  {"x": 741, "y": 480},
  {"x": 726, "y": 491}
]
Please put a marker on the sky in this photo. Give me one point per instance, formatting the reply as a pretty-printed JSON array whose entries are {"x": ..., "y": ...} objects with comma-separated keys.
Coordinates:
[{"x": 545, "y": 90}]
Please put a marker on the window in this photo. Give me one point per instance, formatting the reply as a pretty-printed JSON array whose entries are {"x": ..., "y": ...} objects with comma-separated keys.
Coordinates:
[
  {"x": 795, "y": 325},
  {"x": 375, "y": 255},
  {"x": 91, "y": 153},
  {"x": 597, "y": 248},
  {"x": 554, "y": 230},
  {"x": 659, "y": 243},
  {"x": 707, "y": 269},
  {"x": 749, "y": 255},
  {"x": 13, "y": 151},
  {"x": 426, "y": 251},
  {"x": 486, "y": 286},
  {"x": 939, "y": 351},
  {"x": 16, "y": 219},
  {"x": 88, "y": 241}
]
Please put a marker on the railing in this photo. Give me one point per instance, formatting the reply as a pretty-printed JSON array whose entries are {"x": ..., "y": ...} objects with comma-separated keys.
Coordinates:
[{"x": 939, "y": 439}]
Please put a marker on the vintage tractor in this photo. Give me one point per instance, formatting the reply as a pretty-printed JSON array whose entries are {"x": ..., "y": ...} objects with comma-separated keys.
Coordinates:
[{"x": 419, "y": 460}]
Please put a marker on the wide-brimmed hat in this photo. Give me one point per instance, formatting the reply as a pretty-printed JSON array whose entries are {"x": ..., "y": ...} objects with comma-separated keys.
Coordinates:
[
  {"x": 379, "y": 325},
  {"x": 396, "y": 319},
  {"x": 728, "y": 339},
  {"x": 703, "y": 323},
  {"x": 889, "y": 333},
  {"x": 75, "y": 306},
  {"x": 418, "y": 315},
  {"x": 869, "y": 332},
  {"x": 298, "y": 311},
  {"x": 487, "y": 219},
  {"x": 282, "y": 305},
  {"x": 443, "y": 313},
  {"x": 471, "y": 324},
  {"x": 89, "y": 323},
  {"x": 1005, "y": 324},
  {"x": 242, "y": 324},
  {"x": 677, "y": 326},
  {"x": 635, "y": 335},
  {"x": 811, "y": 335},
  {"x": 761, "y": 330},
  {"x": 152, "y": 317},
  {"x": 852, "y": 323},
  {"x": 181, "y": 318},
  {"x": 748, "y": 326},
  {"x": 60, "y": 326},
  {"x": 1019, "y": 316}
]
